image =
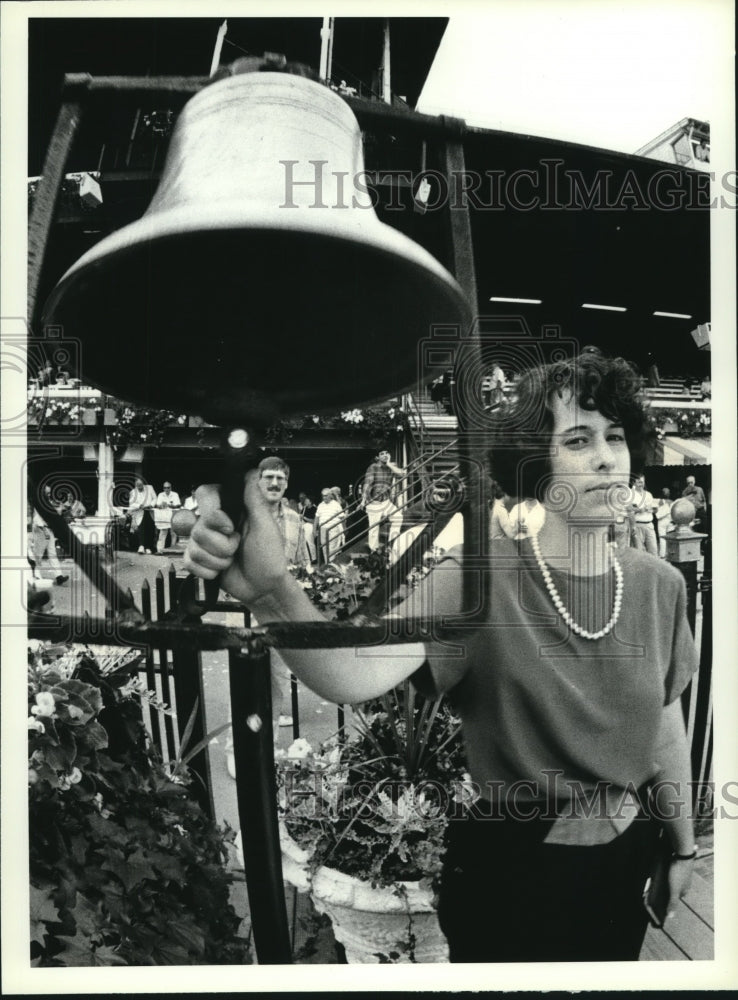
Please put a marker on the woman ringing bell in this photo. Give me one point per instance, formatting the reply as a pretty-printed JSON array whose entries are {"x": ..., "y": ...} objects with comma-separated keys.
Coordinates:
[{"x": 568, "y": 687}]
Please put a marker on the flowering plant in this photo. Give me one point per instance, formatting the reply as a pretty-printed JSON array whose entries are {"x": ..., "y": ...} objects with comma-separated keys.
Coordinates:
[
  {"x": 338, "y": 589},
  {"x": 125, "y": 867},
  {"x": 379, "y": 422},
  {"x": 141, "y": 424},
  {"x": 43, "y": 408},
  {"x": 376, "y": 807}
]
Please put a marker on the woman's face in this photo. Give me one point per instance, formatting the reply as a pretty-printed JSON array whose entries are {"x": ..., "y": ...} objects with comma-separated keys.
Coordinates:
[{"x": 590, "y": 462}]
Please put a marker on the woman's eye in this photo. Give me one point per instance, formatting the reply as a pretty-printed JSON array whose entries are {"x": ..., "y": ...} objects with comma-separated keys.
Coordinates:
[
  {"x": 575, "y": 442},
  {"x": 616, "y": 436}
]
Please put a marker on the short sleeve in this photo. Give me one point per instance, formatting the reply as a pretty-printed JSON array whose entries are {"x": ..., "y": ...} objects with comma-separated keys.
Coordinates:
[{"x": 684, "y": 656}]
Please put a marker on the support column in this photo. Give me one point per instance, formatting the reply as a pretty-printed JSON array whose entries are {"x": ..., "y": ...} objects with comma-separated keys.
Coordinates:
[{"x": 105, "y": 455}]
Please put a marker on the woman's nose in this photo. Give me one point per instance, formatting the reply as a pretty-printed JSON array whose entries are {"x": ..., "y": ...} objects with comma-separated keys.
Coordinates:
[{"x": 604, "y": 457}]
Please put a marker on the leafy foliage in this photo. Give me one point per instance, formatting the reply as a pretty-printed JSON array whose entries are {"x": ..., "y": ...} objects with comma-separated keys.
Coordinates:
[
  {"x": 42, "y": 408},
  {"x": 125, "y": 867},
  {"x": 339, "y": 589},
  {"x": 381, "y": 423},
  {"x": 141, "y": 424},
  {"x": 377, "y": 806}
]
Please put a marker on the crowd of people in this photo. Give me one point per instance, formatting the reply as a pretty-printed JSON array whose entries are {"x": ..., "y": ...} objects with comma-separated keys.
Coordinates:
[{"x": 640, "y": 521}]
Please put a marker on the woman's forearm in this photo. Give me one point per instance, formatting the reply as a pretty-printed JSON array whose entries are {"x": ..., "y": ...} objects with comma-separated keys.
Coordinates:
[
  {"x": 672, "y": 787},
  {"x": 347, "y": 675}
]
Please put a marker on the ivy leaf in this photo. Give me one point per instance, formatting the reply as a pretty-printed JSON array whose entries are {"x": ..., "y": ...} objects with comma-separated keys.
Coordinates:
[
  {"x": 77, "y": 950},
  {"x": 86, "y": 917},
  {"x": 171, "y": 954},
  {"x": 131, "y": 871},
  {"x": 43, "y": 911},
  {"x": 168, "y": 866},
  {"x": 190, "y": 936},
  {"x": 78, "y": 844},
  {"x": 105, "y": 955}
]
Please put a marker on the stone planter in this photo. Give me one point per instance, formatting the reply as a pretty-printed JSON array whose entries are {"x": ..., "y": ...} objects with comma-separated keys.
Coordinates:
[
  {"x": 109, "y": 417},
  {"x": 371, "y": 923},
  {"x": 294, "y": 861},
  {"x": 89, "y": 418},
  {"x": 368, "y": 922}
]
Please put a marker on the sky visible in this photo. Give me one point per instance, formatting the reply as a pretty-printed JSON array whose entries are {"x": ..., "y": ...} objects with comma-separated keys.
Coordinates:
[{"x": 607, "y": 74}]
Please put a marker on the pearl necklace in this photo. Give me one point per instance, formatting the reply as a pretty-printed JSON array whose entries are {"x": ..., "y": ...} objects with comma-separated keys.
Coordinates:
[{"x": 559, "y": 604}]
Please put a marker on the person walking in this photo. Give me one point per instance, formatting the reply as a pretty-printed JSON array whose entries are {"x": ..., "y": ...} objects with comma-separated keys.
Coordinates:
[{"x": 377, "y": 498}]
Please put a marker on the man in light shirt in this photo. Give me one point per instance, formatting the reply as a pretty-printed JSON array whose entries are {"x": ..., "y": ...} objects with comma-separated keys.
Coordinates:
[
  {"x": 167, "y": 501},
  {"x": 643, "y": 505}
]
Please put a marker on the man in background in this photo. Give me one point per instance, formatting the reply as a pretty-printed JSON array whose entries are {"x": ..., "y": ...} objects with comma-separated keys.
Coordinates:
[
  {"x": 166, "y": 502},
  {"x": 696, "y": 495},
  {"x": 378, "y": 496},
  {"x": 642, "y": 506}
]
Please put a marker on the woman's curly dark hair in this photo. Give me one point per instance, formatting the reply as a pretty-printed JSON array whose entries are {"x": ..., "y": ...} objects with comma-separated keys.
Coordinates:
[{"x": 522, "y": 427}]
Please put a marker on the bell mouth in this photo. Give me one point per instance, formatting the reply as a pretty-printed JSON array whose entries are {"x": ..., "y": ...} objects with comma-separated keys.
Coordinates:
[{"x": 242, "y": 314}]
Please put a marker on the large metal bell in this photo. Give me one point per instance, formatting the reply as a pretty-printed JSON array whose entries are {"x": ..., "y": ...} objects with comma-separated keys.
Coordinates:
[{"x": 241, "y": 296}]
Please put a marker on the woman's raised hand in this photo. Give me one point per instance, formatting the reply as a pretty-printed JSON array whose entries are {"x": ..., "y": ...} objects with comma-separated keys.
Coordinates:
[{"x": 251, "y": 564}]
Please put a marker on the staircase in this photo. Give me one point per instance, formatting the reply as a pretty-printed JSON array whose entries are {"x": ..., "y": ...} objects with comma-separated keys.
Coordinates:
[
  {"x": 434, "y": 438},
  {"x": 432, "y": 457}
]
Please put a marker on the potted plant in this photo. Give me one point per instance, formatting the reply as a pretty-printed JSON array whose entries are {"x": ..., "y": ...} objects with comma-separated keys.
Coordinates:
[
  {"x": 125, "y": 867},
  {"x": 363, "y": 824}
]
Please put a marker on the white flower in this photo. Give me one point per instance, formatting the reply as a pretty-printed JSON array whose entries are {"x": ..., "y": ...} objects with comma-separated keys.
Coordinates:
[
  {"x": 75, "y": 776},
  {"x": 45, "y": 704},
  {"x": 299, "y": 749},
  {"x": 36, "y": 724}
]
